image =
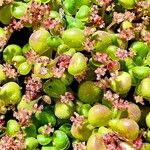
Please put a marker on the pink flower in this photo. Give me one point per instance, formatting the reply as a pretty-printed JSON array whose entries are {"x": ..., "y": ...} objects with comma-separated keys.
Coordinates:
[
  {"x": 48, "y": 129},
  {"x": 23, "y": 116},
  {"x": 88, "y": 45},
  {"x": 79, "y": 146},
  {"x": 146, "y": 37},
  {"x": 77, "y": 119},
  {"x": 89, "y": 31},
  {"x": 101, "y": 57},
  {"x": 116, "y": 101},
  {"x": 36, "y": 13},
  {"x": 110, "y": 96},
  {"x": 33, "y": 87},
  {"x": 102, "y": 2},
  {"x": 10, "y": 72},
  {"x": 100, "y": 71},
  {"x": 112, "y": 141},
  {"x": 81, "y": 77},
  {"x": 120, "y": 104},
  {"x": 120, "y": 17},
  {"x": 58, "y": 72},
  {"x": 121, "y": 53},
  {"x": 113, "y": 66},
  {"x": 103, "y": 83},
  {"x": 127, "y": 34},
  {"x": 67, "y": 97},
  {"x": 32, "y": 57},
  {"x": 95, "y": 19},
  {"x": 50, "y": 23},
  {"x": 13, "y": 143},
  {"x": 138, "y": 143},
  {"x": 64, "y": 61}
]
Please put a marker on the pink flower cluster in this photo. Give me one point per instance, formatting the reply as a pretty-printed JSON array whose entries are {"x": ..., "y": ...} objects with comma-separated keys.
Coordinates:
[
  {"x": 120, "y": 17},
  {"x": 116, "y": 101},
  {"x": 9, "y": 71},
  {"x": 95, "y": 19},
  {"x": 13, "y": 143},
  {"x": 67, "y": 97},
  {"x": 77, "y": 119},
  {"x": 79, "y": 146},
  {"x": 33, "y": 87}
]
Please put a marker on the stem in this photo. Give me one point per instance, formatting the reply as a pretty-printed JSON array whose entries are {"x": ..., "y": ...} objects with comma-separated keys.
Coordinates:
[
  {"x": 119, "y": 114},
  {"x": 108, "y": 27},
  {"x": 103, "y": 10},
  {"x": 1, "y": 135},
  {"x": 116, "y": 113}
]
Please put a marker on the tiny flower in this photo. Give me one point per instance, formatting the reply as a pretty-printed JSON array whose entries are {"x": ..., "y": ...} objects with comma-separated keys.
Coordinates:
[
  {"x": 36, "y": 13},
  {"x": 146, "y": 37},
  {"x": 64, "y": 61},
  {"x": 50, "y": 23},
  {"x": 32, "y": 57},
  {"x": 120, "y": 104},
  {"x": 33, "y": 87},
  {"x": 95, "y": 19},
  {"x": 121, "y": 53},
  {"x": 101, "y": 57},
  {"x": 81, "y": 77},
  {"x": 103, "y": 83},
  {"x": 110, "y": 7},
  {"x": 132, "y": 53},
  {"x": 139, "y": 99},
  {"x": 89, "y": 31},
  {"x": 112, "y": 141},
  {"x": 2, "y": 2},
  {"x": 67, "y": 97},
  {"x": 127, "y": 34},
  {"x": 43, "y": 60},
  {"x": 120, "y": 17},
  {"x": 79, "y": 146},
  {"x": 110, "y": 96},
  {"x": 48, "y": 129},
  {"x": 10, "y": 72},
  {"x": 13, "y": 143},
  {"x": 116, "y": 101},
  {"x": 100, "y": 71},
  {"x": 23, "y": 116},
  {"x": 77, "y": 119},
  {"x": 139, "y": 27},
  {"x": 88, "y": 45},
  {"x": 102, "y": 2},
  {"x": 37, "y": 108},
  {"x": 138, "y": 143},
  {"x": 113, "y": 66},
  {"x": 58, "y": 72}
]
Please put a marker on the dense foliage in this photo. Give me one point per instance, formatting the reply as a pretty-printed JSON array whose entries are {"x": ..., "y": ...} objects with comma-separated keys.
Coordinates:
[{"x": 74, "y": 75}]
